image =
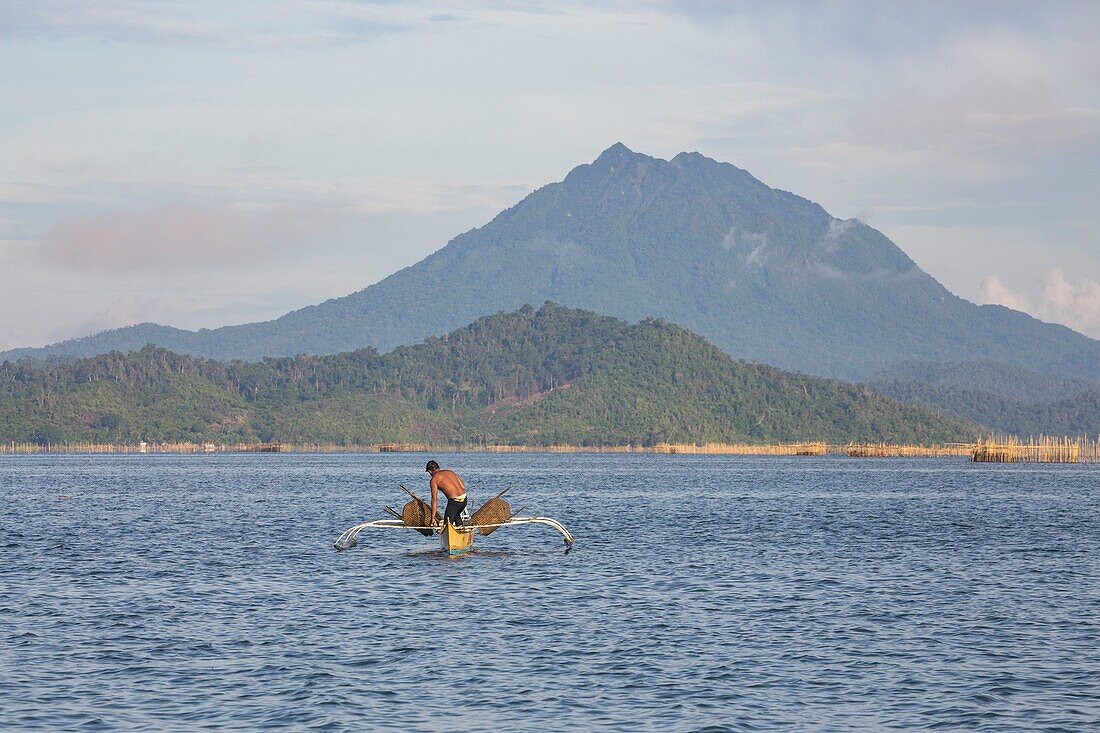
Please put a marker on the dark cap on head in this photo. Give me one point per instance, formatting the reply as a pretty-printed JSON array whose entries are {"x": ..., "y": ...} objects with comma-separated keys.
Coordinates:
[{"x": 432, "y": 466}]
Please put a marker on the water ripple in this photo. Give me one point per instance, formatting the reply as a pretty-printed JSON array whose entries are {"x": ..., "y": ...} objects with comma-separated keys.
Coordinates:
[{"x": 705, "y": 594}]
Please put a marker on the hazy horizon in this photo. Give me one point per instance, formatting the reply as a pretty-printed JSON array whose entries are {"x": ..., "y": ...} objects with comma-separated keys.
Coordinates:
[{"x": 202, "y": 164}]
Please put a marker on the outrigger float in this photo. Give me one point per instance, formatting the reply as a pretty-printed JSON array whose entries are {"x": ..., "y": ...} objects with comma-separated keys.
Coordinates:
[{"x": 493, "y": 515}]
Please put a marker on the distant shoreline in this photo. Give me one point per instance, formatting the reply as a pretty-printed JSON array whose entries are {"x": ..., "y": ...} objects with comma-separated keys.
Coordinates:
[
  {"x": 816, "y": 448},
  {"x": 1007, "y": 450}
]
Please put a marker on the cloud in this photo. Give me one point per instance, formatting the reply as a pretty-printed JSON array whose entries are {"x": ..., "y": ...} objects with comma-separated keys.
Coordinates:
[
  {"x": 965, "y": 97},
  {"x": 1076, "y": 306},
  {"x": 836, "y": 232},
  {"x": 285, "y": 216},
  {"x": 995, "y": 292},
  {"x": 274, "y": 25},
  {"x": 1060, "y": 301},
  {"x": 194, "y": 312},
  {"x": 753, "y": 246},
  {"x": 180, "y": 236},
  {"x": 125, "y": 311},
  {"x": 980, "y": 113},
  {"x": 981, "y": 130}
]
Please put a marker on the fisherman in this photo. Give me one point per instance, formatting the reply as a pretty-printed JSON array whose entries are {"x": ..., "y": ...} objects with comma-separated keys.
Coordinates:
[{"x": 450, "y": 483}]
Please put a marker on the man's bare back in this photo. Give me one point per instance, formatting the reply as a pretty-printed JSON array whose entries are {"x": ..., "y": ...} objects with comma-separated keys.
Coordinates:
[{"x": 450, "y": 483}]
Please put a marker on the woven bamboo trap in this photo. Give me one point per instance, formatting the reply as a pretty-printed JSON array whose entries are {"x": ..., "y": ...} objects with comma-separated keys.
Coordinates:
[
  {"x": 494, "y": 511},
  {"x": 416, "y": 513}
]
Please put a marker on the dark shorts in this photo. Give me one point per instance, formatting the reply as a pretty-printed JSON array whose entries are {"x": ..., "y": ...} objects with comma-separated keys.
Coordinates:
[{"x": 454, "y": 512}]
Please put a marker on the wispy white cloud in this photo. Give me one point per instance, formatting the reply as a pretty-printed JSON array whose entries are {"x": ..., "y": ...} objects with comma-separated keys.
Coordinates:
[
  {"x": 170, "y": 237},
  {"x": 126, "y": 311},
  {"x": 188, "y": 235},
  {"x": 265, "y": 26},
  {"x": 272, "y": 25},
  {"x": 754, "y": 247},
  {"x": 195, "y": 312},
  {"x": 1075, "y": 305},
  {"x": 988, "y": 108},
  {"x": 995, "y": 292}
]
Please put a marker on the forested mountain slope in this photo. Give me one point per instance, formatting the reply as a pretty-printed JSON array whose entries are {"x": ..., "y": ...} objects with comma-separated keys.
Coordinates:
[
  {"x": 1003, "y": 397},
  {"x": 763, "y": 274},
  {"x": 1007, "y": 381},
  {"x": 555, "y": 375}
]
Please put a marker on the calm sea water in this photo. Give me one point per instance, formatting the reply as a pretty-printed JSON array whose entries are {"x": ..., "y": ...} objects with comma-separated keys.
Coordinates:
[{"x": 704, "y": 594}]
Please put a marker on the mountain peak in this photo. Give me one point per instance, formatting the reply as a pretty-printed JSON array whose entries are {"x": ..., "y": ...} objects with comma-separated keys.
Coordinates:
[
  {"x": 693, "y": 159},
  {"x": 693, "y": 155},
  {"x": 614, "y": 163},
  {"x": 619, "y": 156},
  {"x": 616, "y": 153}
]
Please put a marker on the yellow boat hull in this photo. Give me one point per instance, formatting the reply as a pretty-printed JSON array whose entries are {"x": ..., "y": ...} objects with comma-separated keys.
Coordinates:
[{"x": 457, "y": 540}]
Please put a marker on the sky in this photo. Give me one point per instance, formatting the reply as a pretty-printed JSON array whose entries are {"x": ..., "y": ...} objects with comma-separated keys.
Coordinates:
[{"x": 199, "y": 164}]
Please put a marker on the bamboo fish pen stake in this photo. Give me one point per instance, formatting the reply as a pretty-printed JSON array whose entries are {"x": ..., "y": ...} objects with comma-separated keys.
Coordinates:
[{"x": 1036, "y": 450}]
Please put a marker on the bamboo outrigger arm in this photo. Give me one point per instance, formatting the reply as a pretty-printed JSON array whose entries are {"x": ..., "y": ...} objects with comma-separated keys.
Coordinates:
[
  {"x": 348, "y": 539},
  {"x": 542, "y": 520}
]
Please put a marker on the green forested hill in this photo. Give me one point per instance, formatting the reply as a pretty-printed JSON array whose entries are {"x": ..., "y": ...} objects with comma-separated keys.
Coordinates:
[
  {"x": 1004, "y": 397},
  {"x": 1076, "y": 415},
  {"x": 554, "y": 375},
  {"x": 1008, "y": 381}
]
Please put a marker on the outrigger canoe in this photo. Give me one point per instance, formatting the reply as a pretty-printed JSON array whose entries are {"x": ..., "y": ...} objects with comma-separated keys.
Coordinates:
[
  {"x": 456, "y": 540},
  {"x": 417, "y": 516}
]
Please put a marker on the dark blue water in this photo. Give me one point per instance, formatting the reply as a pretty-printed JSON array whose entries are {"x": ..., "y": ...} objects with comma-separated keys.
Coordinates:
[{"x": 704, "y": 593}]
